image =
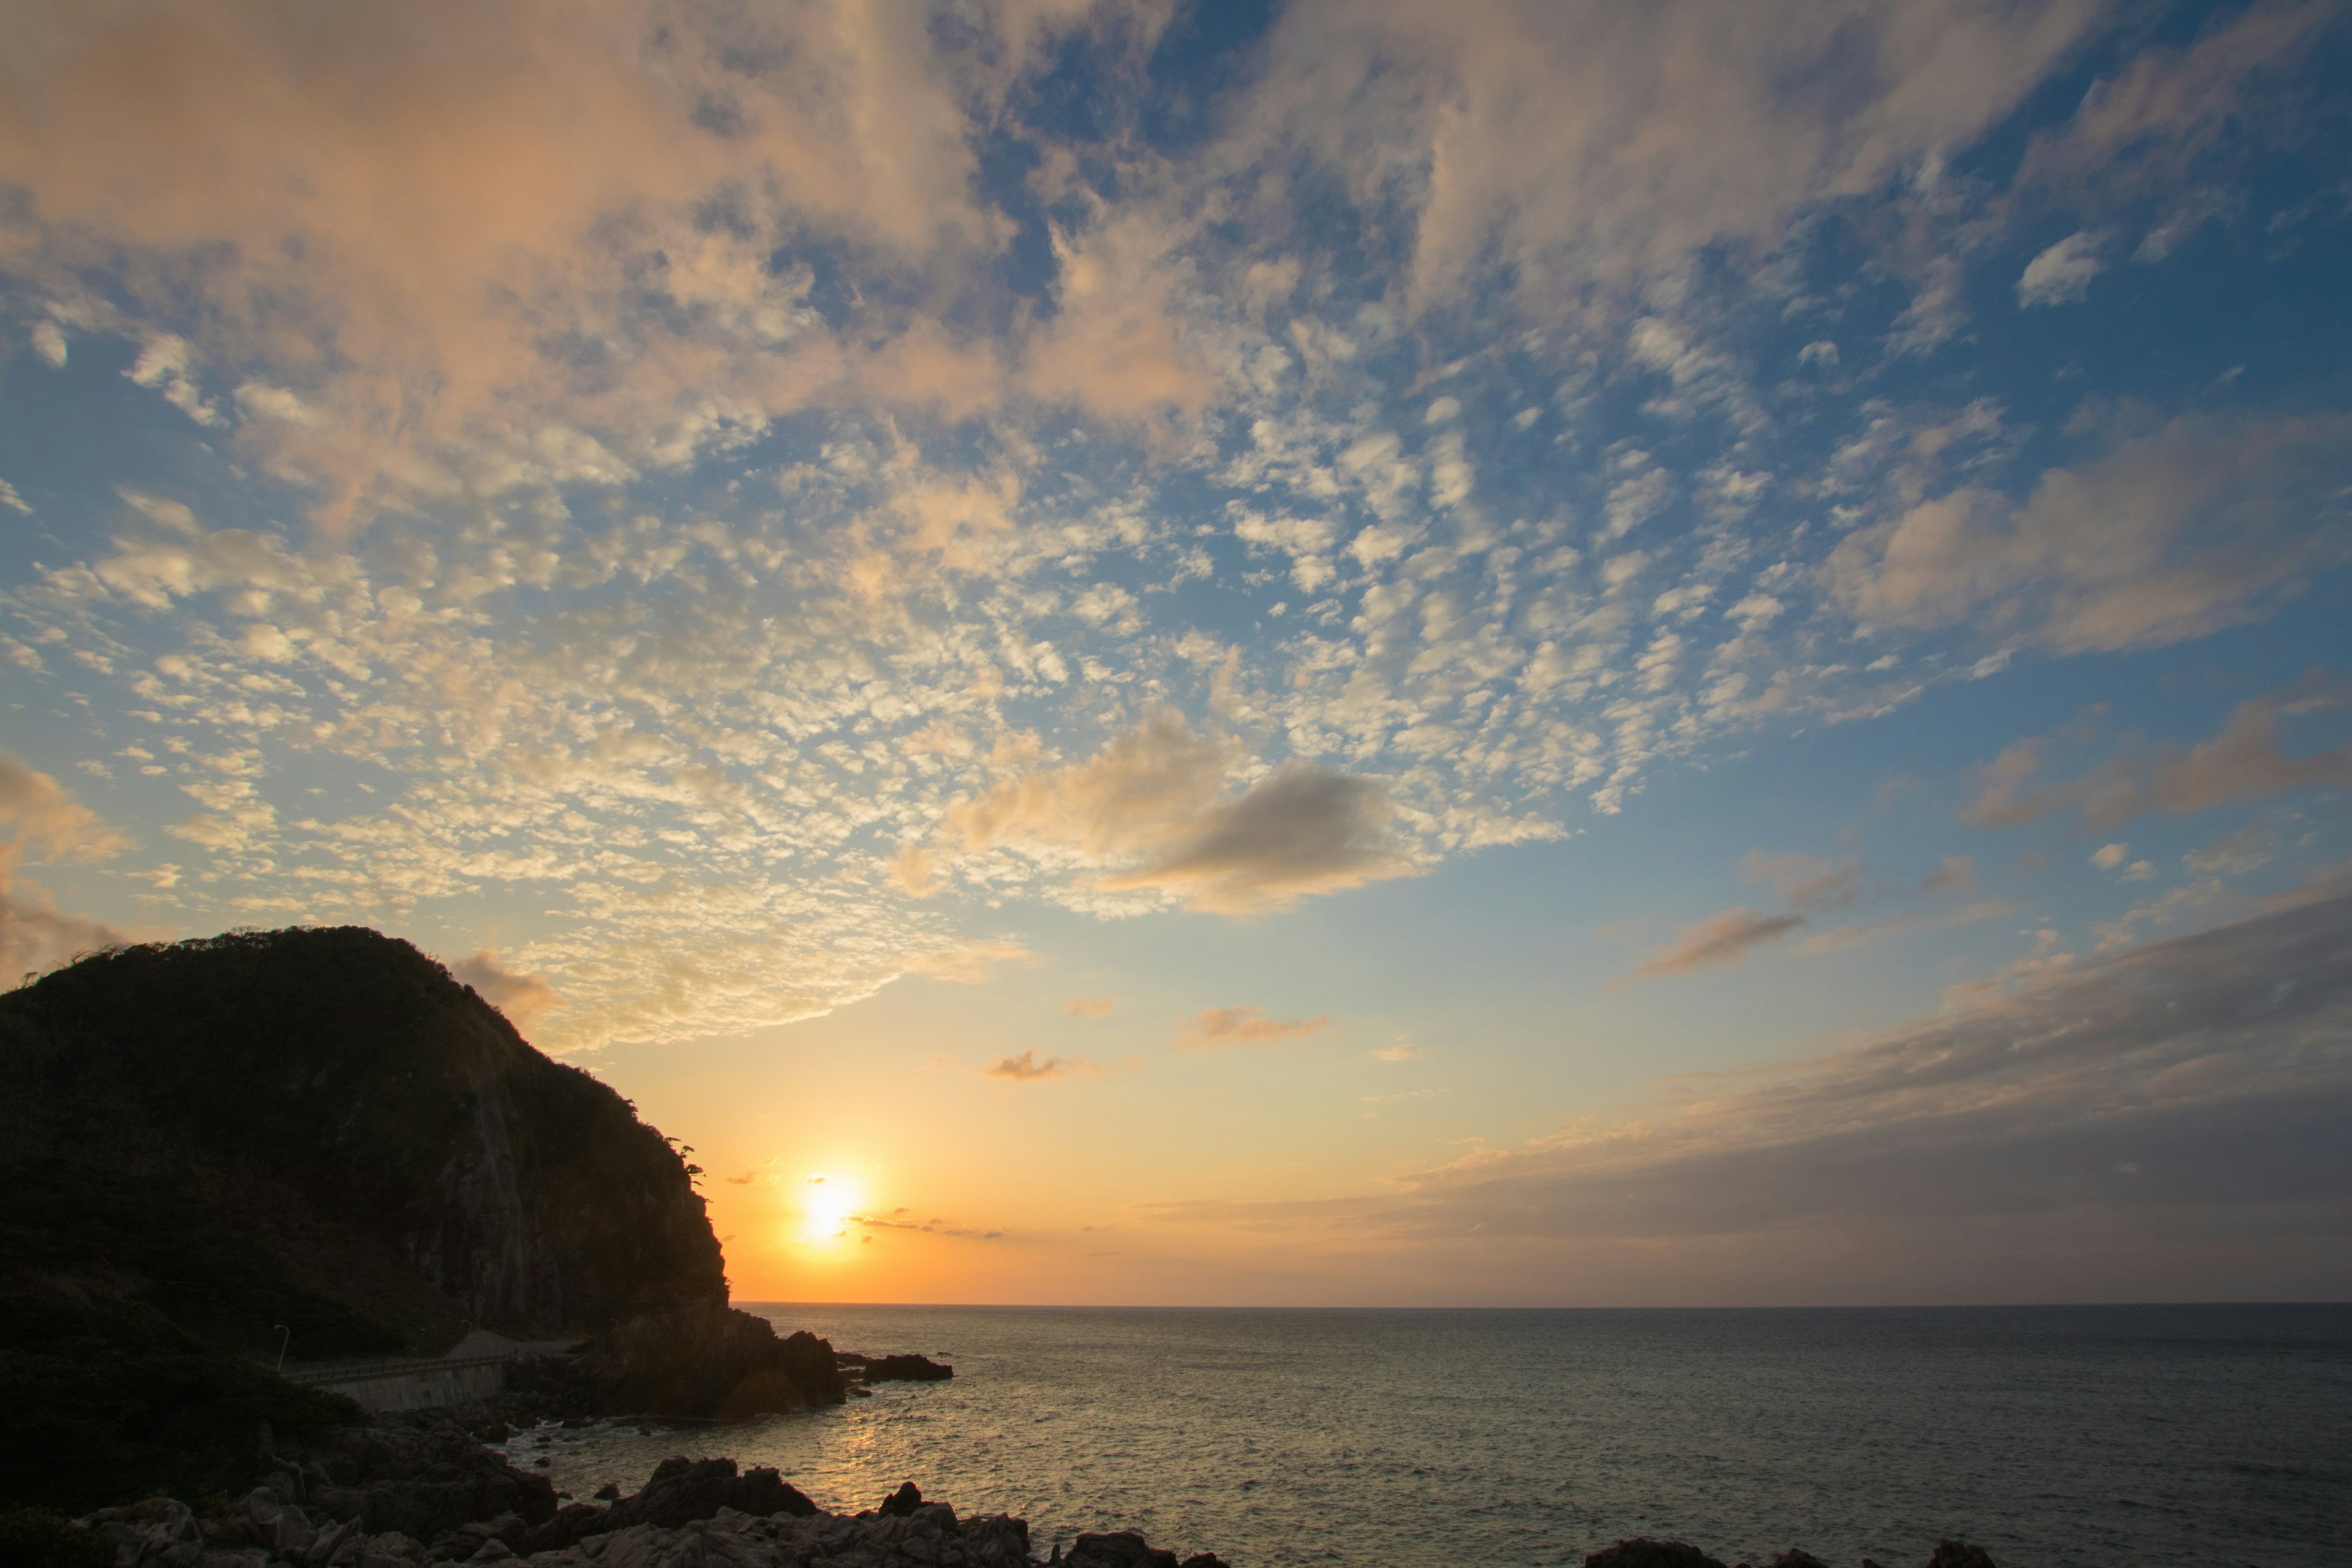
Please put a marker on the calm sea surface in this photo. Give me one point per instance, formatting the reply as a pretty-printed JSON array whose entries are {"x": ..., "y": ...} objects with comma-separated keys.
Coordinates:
[{"x": 2110, "y": 1436}]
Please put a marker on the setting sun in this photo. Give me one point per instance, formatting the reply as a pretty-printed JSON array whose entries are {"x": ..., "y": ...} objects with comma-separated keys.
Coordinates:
[{"x": 826, "y": 1207}]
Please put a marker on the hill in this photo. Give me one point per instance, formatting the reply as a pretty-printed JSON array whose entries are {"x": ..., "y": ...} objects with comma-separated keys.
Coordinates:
[{"x": 319, "y": 1137}]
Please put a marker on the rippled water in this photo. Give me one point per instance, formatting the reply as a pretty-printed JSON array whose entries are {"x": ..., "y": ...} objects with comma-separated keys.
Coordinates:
[{"x": 2110, "y": 1436}]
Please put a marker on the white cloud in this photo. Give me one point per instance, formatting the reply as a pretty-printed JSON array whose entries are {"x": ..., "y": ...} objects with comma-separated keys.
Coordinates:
[{"x": 2062, "y": 274}]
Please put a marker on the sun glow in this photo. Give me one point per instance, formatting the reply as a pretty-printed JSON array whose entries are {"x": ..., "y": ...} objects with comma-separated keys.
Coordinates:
[{"x": 826, "y": 1206}]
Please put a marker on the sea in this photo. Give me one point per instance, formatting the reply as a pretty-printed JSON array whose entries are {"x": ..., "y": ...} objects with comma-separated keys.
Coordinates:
[{"x": 2053, "y": 1436}]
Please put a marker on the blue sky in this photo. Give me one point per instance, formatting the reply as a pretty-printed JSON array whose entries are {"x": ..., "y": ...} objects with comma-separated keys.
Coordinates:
[{"x": 1455, "y": 613}]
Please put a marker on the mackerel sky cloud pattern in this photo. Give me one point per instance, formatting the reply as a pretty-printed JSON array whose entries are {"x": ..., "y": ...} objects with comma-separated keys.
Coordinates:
[{"x": 709, "y": 510}]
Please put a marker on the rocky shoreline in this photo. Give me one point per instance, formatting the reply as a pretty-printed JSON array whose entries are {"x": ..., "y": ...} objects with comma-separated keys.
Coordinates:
[
  {"x": 429, "y": 1492},
  {"x": 425, "y": 1492}
]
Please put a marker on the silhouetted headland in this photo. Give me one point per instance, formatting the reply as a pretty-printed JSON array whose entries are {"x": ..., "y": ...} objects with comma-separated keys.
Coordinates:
[{"x": 318, "y": 1143}]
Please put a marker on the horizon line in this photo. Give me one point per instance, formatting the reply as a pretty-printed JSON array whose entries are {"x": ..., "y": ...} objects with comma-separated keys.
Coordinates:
[{"x": 1810, "y": 1307}]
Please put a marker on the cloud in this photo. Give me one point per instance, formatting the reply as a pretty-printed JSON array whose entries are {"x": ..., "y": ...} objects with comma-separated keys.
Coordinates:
[
  {"x": 764, "y": 1171},
  {"x": 777, "y": 518},
  {"x": 1953, "y": 874},
  {"x": 445, "y": 230},
  {"x": 523, "y": 998},
  {"x": 2205, "y": 523},
  {"x": 2062, "y": 273},
  {"x": 40, "y": 817},
  {"x": 2109, "y": 856},
  {"x": 2246, "y": 762},
  {"x": 1026, "y": 1068},
  {"x": 1908, "y": 923},
  {"x": 2184, "y": 1089},
  {"x": 35, "y": 936},
  {"x": 2250, "y": 849},
  {"x": 2144, "y": 127},
  {"x": 1246, "y": 1026},
  {"x": 1720, "y": 941},
  {"x": 1550, "y": 143},
  {"x": 969, "y": 962},
  {"x": 2185, "y": 1059},
  {"x": 1087, "y": 1006},
  {"x": 1807, "y": 882},
  {"x": 894, "y": 1221},
  {"x": 1150, "y": 813}
]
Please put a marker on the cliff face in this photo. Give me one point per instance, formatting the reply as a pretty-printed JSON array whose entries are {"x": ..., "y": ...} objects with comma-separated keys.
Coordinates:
[
  {"x": 319, "y": 1137},
  {"x": 353, "y": 1111}
]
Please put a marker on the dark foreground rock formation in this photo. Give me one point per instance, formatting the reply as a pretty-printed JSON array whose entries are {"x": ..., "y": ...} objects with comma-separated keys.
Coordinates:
[
  {"x": 409, "y": 1498},
  {"x": 424, "y": 1494},
  {"x": 319, "y": 1140},
  {"x": 1644, "y": 1553}
]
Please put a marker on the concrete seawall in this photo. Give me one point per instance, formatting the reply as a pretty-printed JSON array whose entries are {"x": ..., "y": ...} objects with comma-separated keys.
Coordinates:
[{"x": 408, "y": 1385}]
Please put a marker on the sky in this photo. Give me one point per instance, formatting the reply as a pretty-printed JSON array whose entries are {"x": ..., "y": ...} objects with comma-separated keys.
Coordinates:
[{"x": 1377, "y": 653}]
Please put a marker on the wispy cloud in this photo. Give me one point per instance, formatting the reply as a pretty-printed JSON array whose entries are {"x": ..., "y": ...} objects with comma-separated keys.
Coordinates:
[
  {"x": 2165, "y": 1084},
  {"x": 2246, "y": 762},
  {"x": 1246, "y": 1026},
  {"x": 1027, "y": 1068},
  {"x": 1721, "y": 940}
]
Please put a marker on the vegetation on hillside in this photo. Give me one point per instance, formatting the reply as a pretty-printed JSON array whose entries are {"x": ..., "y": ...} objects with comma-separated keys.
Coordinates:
[{"x": 314, "y": 1137}]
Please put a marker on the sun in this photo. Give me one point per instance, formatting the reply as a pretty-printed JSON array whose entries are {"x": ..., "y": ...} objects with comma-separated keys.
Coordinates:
[{"x": 826, "y": 1204}]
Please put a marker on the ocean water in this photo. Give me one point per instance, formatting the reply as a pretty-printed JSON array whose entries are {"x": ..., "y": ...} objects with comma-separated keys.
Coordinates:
[{"x": 2112, "y": 1436}]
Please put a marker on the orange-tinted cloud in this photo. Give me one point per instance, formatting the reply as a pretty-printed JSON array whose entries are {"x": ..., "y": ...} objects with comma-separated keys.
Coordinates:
[
  {"x": 1026, "y": 1068},
  {"x": 1246, "y": 1026},
  {"x": 523, "y": 998}
]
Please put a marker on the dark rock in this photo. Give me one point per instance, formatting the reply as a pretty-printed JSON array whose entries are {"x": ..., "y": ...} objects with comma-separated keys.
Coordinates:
[
  {"x": 679, "y": 1491},
  {"x": 573, "y": 1522},
  {"x": 765, "y": 1492},
  {"x": 711, "y": 1360},
  {"x": 1796, "y": 1557},
  {"x": 902, "y": 1503},
  {"x": 426, "y": 1481},
  {"x": 1960, "y": 1554},
  {"x": 1204, "y": 1560},
  {"x": 1121, "y": 1549},
  {"x": 898, "y": 1368},
  {"x": 1643, "y": 1552},
  {"x": 609, "y": 1492}
]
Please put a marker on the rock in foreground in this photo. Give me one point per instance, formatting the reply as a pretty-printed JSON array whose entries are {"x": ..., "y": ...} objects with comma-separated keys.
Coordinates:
[
  {"x": 412, "y": 1499},
  {"x": 1644, "y": 1553},
  {"x": 419, "y": 1495}
]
